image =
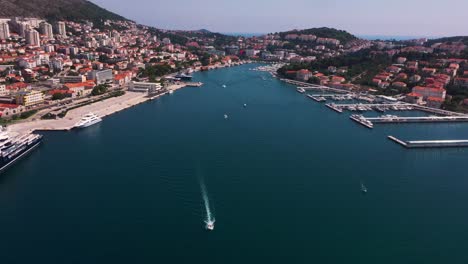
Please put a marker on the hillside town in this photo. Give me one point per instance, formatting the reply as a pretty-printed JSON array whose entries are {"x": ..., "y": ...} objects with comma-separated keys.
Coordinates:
[
  {"x": 50, "y": 63},
  {"x": 433, "y": 74}
]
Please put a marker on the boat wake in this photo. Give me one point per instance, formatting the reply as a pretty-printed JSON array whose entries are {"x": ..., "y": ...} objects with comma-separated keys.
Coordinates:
[{"x": 209, "y": 221}]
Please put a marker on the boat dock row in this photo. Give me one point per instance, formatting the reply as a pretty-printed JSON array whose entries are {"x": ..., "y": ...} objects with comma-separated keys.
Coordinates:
[
  {"x": 334, "y": 108},
  {"x": 430, "y": 143},
  {"x": 362, "y": 121},
  {"x": 317, "y": 98},
  {"x": 377, "y": 107}
]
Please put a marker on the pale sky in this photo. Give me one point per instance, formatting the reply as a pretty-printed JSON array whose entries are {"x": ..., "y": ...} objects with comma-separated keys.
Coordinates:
[{"x": 360, "y": 17}]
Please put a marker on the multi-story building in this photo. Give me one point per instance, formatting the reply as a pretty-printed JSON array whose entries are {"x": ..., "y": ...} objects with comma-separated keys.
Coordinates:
[
  {"x": 3, "y": 90},
  {"x": 427, "y": 92},
  {"x": 22, "y": 28},
  {"x": 61, "y": 29},
  {"x": 46, "y": 30},
  {"x": 72, "y": 79},
  {"x": 101, "y": 77},
  {"x": 32, "y": 38},
  {"x": 4, "y": 30},
  {"x": 303, "y": 75},
  {"x": 144, "y": 87},
  {"x": 29, "y": 98}
]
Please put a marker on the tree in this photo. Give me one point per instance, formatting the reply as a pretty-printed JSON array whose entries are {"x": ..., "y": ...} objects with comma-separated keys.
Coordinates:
[
  {"x": 99, "y": 89},
  {"x": 58, "y": 96}
]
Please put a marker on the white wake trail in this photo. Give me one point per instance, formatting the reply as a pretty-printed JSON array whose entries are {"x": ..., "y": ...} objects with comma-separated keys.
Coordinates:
[{"x": 209, "y": 216}]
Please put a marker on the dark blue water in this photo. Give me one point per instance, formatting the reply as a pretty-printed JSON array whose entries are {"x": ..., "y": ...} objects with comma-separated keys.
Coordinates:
[{"x": 283, "y": 177}]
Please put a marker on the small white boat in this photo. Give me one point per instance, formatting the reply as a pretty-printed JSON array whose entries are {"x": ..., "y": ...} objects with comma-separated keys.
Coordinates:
[
  {"x": 171, "y": 91},
  {"x": 88, "y": 120},
  {"x": 226, "y": 116},
  {"x": 363, "y": 188},
  {"x": 210, "y": 224},
  {"x": 224, "y": 86},
  {"x": 245, "y": 105}
]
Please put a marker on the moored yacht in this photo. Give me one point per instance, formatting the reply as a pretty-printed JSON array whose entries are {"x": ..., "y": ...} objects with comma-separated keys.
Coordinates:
[{"x": 88, "y": 120}]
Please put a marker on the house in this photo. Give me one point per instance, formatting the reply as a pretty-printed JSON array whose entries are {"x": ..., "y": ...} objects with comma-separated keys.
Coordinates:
[
  {"x": 414, "y": 98},
  {"x": 121, "y": 79},
  {"x": 429, "y": 71},
  {"x": 384, "y": 85},
  {"x": 461, "y": 81},
  {"x": 399, "y": 85},
  {"x": 303, "y": 75},
  {"x": 434, "y": 102},
  {"x": 393, "y": 69},
  {"x": 338, "y": 79},
  {"x": 80, "y": 89},
  {"x": 427, "y": 92},
  {"x": 10, "y": 109}
]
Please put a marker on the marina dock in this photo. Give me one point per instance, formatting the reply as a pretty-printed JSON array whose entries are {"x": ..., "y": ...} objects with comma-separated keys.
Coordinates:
[
  {"x": 429, "y": 119},
  {"x": 334, "y": 108},
  {"x": 430, "y": 143}
]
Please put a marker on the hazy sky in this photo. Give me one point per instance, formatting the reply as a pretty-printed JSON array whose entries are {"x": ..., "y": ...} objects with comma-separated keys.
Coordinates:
[{"x": 371, "y": 17}]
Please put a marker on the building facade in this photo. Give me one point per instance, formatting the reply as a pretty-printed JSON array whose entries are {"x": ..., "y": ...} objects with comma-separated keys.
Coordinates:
[
  {"x": 61, "y": 29},
  {"x": 29, "y": 98},
  {"x": 144, "y": 87},
  {"x": 4, "y": 30},
  {"x": 46, "y": 30},
  {"x": 101, "y": 77},
  {"x": 32, "y": 38}
]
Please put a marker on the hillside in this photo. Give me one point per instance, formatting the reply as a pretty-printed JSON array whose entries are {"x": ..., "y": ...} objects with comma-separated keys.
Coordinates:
[
  {"x": 56, "y": 9},
  {"x": 324, "y": 32}
]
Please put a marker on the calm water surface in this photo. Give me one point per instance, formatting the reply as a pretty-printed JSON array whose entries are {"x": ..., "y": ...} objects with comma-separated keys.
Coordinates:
[{"x": 283, "y": 178}]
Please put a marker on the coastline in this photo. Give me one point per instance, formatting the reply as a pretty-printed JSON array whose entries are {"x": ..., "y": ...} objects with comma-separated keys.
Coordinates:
[{"x": 102, "y": 109}]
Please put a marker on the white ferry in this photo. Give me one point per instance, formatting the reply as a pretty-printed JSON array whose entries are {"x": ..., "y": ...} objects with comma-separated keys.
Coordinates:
[{"x": 88, "y": 120}]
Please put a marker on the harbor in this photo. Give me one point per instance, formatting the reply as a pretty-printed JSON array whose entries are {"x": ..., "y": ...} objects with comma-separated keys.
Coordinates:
[
  {"x": 369, "y": 103},
  {"x": 139, "y": 172}
]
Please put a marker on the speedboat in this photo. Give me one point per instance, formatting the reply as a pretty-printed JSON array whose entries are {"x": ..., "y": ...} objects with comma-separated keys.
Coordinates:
[
  {"x": 210, "y": 224},
  {"x": 88, "y": 120},
  {"x": 224, "y": 86}
]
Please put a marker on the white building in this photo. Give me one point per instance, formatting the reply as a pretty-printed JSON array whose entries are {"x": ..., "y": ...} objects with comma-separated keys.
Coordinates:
[
  {"x": 4, "y": 30},
  {"x": 145, "y": 87},
  {"x": 46, "y": 30},
  {"x": 3, "y": 90},
  {"x": 61, "y": 28},
  {"x": 32, "y": 38},
  {"x": 101, "y": 77}
]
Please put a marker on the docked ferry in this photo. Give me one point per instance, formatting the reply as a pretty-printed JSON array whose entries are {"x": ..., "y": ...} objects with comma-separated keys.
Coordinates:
[
  {"x": 183, "y": 76},
  {"x": 13, "y": 149}
]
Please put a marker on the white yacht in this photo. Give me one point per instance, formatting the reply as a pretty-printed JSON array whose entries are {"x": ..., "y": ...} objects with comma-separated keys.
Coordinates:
[{"x": 88, "y": 120}]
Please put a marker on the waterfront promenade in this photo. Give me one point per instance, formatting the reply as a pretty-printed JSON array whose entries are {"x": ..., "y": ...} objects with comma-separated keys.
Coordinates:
[{"x": 101, "y": 108}]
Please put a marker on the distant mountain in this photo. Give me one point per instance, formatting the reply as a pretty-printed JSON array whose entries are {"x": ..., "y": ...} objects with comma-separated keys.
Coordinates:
[
  {"x": 56, "y": 9},
  {"x": 324, "y": 32},
  {"x": 204, "y": 30},
  {"x": 463, "y": 39}
]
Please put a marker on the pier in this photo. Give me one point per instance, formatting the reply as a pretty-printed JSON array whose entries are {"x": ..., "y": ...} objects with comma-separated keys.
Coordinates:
[
  {"x": 332, "y": 106},
  {"x": 430, "y": 143},
  {"x": 422, "y": 119}
]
